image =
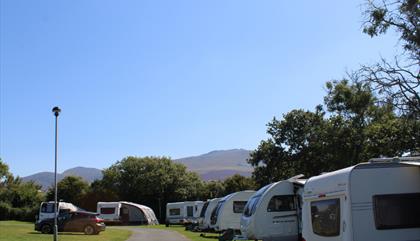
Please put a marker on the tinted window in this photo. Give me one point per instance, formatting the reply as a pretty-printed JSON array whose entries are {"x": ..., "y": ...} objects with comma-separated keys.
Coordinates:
[
  {"x": 63, "y": 211},
  {"x": 80, "y": 215},
  {"x": 47, "y": 208},
  {"x": 215, "y": 212},
  {"x": 251, "y": 205},
  {"x": 107, "y": 210},
  {"x": 190, "y": 211},
  {"x": 203, "y": 210},
  {"x": 326, "y": 217},
  {"x": 281, "y": 203},
  {"x": 238, "y": 206},
  {"x": 174, "y": 212},
  {"x": 397, "y": 211}
]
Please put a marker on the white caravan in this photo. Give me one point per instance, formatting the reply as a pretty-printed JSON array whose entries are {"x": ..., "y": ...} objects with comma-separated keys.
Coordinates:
[
  {"x": 204, "y": 220},
  {"x": 378, "y": 201},
  {"x": 126, "y": 213},
  {"x": 273, "y": 213},
  {"x": 183, "y": 212},
  {"x": 228, "y": 212},
  {"x": 46, "y": 209}
]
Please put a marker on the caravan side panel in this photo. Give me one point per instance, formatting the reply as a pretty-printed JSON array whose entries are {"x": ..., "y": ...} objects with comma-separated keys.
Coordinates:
[{"x": 369, "y": 184}]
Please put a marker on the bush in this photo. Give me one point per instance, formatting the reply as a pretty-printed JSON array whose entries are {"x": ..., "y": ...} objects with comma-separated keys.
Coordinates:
[{"x": 7, "y": 212}]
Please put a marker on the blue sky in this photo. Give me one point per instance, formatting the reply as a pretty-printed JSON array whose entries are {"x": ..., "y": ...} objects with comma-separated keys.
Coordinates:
[{"x": 172, "y": 78}]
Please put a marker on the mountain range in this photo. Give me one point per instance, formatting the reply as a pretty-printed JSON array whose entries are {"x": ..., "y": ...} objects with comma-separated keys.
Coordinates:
[
  {"x": 215, "y": 165},
  {"x": 46, "y": 179}
]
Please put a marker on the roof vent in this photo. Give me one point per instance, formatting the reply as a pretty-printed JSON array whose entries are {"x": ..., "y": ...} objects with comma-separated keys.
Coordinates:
[{"x": 394, "y": 159}]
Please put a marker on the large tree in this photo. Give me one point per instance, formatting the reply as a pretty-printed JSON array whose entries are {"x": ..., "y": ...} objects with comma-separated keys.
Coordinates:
[
  {"x": 238, "y": 183},
  {"x": 70, "y": 189},
  {"x": 18, "y": 200},
  {"x": 397, "y": 80},
  {"x": 152, "y": 181},
  {"x": 353, "y": 128}
]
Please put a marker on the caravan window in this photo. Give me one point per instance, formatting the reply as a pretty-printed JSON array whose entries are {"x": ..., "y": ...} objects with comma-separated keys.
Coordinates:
[
  {"x": 190, "y": 211},
  {"x": 47, "y": 208},
  {"x": 107, "y": 210},
  {"x": 238, "y": 206},
  {"x": 215, "y": 212},
  {"x": 251, "y": 206},
  {"x": 174, "y": 212},
  {"x": 203, "y": 210},
  {"x": 282, "y": 203},
  {"x": 325, "y": 217},
  {"x": 395, "y": 211}
]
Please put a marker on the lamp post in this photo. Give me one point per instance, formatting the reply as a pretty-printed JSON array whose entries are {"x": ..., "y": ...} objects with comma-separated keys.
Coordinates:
[{"x": 56, "y": 111}]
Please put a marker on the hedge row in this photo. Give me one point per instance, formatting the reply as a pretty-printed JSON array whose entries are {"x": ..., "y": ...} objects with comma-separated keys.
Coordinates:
[{"x": 7, "y": 212}]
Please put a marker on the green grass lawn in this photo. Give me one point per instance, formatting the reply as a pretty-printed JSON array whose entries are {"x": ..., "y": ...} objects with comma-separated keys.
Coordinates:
[
  {"x": 16, "y": 231},
  {"x": 194, "y": 236}
]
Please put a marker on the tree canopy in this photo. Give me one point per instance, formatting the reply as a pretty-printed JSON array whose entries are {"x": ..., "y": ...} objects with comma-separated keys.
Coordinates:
[
  {"x": 18, "y": 200},
  {"x": 398, "y": 80},
  {"x": 152, "y": 181},
  {"x": 351, "y": 129},
  {"x": 69, "y": 189}
]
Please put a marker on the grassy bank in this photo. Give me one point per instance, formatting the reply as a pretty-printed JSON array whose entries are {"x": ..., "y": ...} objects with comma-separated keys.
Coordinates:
[{"x": 22, "y": 231}]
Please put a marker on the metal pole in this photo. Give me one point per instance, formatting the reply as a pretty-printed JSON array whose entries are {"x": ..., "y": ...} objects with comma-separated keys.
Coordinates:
[{"x": 56, "y": 111}]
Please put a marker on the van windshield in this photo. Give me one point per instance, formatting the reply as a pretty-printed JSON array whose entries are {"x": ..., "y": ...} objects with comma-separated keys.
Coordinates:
[{"x": 47, "y": 208}]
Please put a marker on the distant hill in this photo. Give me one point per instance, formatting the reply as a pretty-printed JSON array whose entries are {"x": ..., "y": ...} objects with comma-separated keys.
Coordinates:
[
  {"x": 218, "y": 165},
  {"x": 215, "y": 165},
  {"x": 46, "y": 179}
]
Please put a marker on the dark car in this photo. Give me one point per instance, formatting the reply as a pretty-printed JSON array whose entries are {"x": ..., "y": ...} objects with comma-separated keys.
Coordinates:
[{"x": 86, "y": 222}]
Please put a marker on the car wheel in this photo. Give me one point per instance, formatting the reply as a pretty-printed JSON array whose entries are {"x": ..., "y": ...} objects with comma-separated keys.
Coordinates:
[
  {"x": 89, "y": 230},
  {"x": 46, "y": 228}
]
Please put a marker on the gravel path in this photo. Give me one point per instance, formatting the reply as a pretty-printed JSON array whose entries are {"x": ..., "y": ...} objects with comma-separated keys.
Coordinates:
[{"x": 149, "y": 234}]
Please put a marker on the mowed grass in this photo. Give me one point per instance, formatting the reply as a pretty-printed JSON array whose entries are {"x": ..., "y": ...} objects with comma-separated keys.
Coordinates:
[
  {"x": 194, "y": 236},
  {"x": 22, "y": 231}
]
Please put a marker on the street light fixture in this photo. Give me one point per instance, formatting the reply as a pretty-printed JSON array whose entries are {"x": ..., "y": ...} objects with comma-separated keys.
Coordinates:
[{"x": 56, "y": 112}]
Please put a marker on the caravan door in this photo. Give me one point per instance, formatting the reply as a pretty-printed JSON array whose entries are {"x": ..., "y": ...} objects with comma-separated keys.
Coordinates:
[
  {"x": 326, "y": 218},
  {"x": 282, "y": 213}
]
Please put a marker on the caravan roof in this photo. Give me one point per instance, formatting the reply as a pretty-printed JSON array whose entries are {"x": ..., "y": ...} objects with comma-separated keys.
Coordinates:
[
  {"x": 376, "y": 200},
  {"x": 338, "y": 181}
]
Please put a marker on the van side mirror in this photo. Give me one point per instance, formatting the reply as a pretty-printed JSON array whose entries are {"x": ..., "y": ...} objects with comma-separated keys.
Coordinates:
[{"x": 36, "y": 217}]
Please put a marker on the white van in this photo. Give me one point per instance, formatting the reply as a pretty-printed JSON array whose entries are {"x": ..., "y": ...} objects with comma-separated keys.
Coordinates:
[
  {"x": 378, "y": 200},
  {"x": 183, "y": 212},
  {"x": 273, "y": 212},
  {"x": 228, "y": 212},
  {"x": 126, "y": 213},
  {"x": 46, "y": 209},
  {"x": 208, "y": 207}
]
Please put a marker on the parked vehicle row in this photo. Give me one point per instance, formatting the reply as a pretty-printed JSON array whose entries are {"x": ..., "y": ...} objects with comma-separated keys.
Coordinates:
[
  {"x": 74, "y": 219},
  {"x": 376, "y": 200}
]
